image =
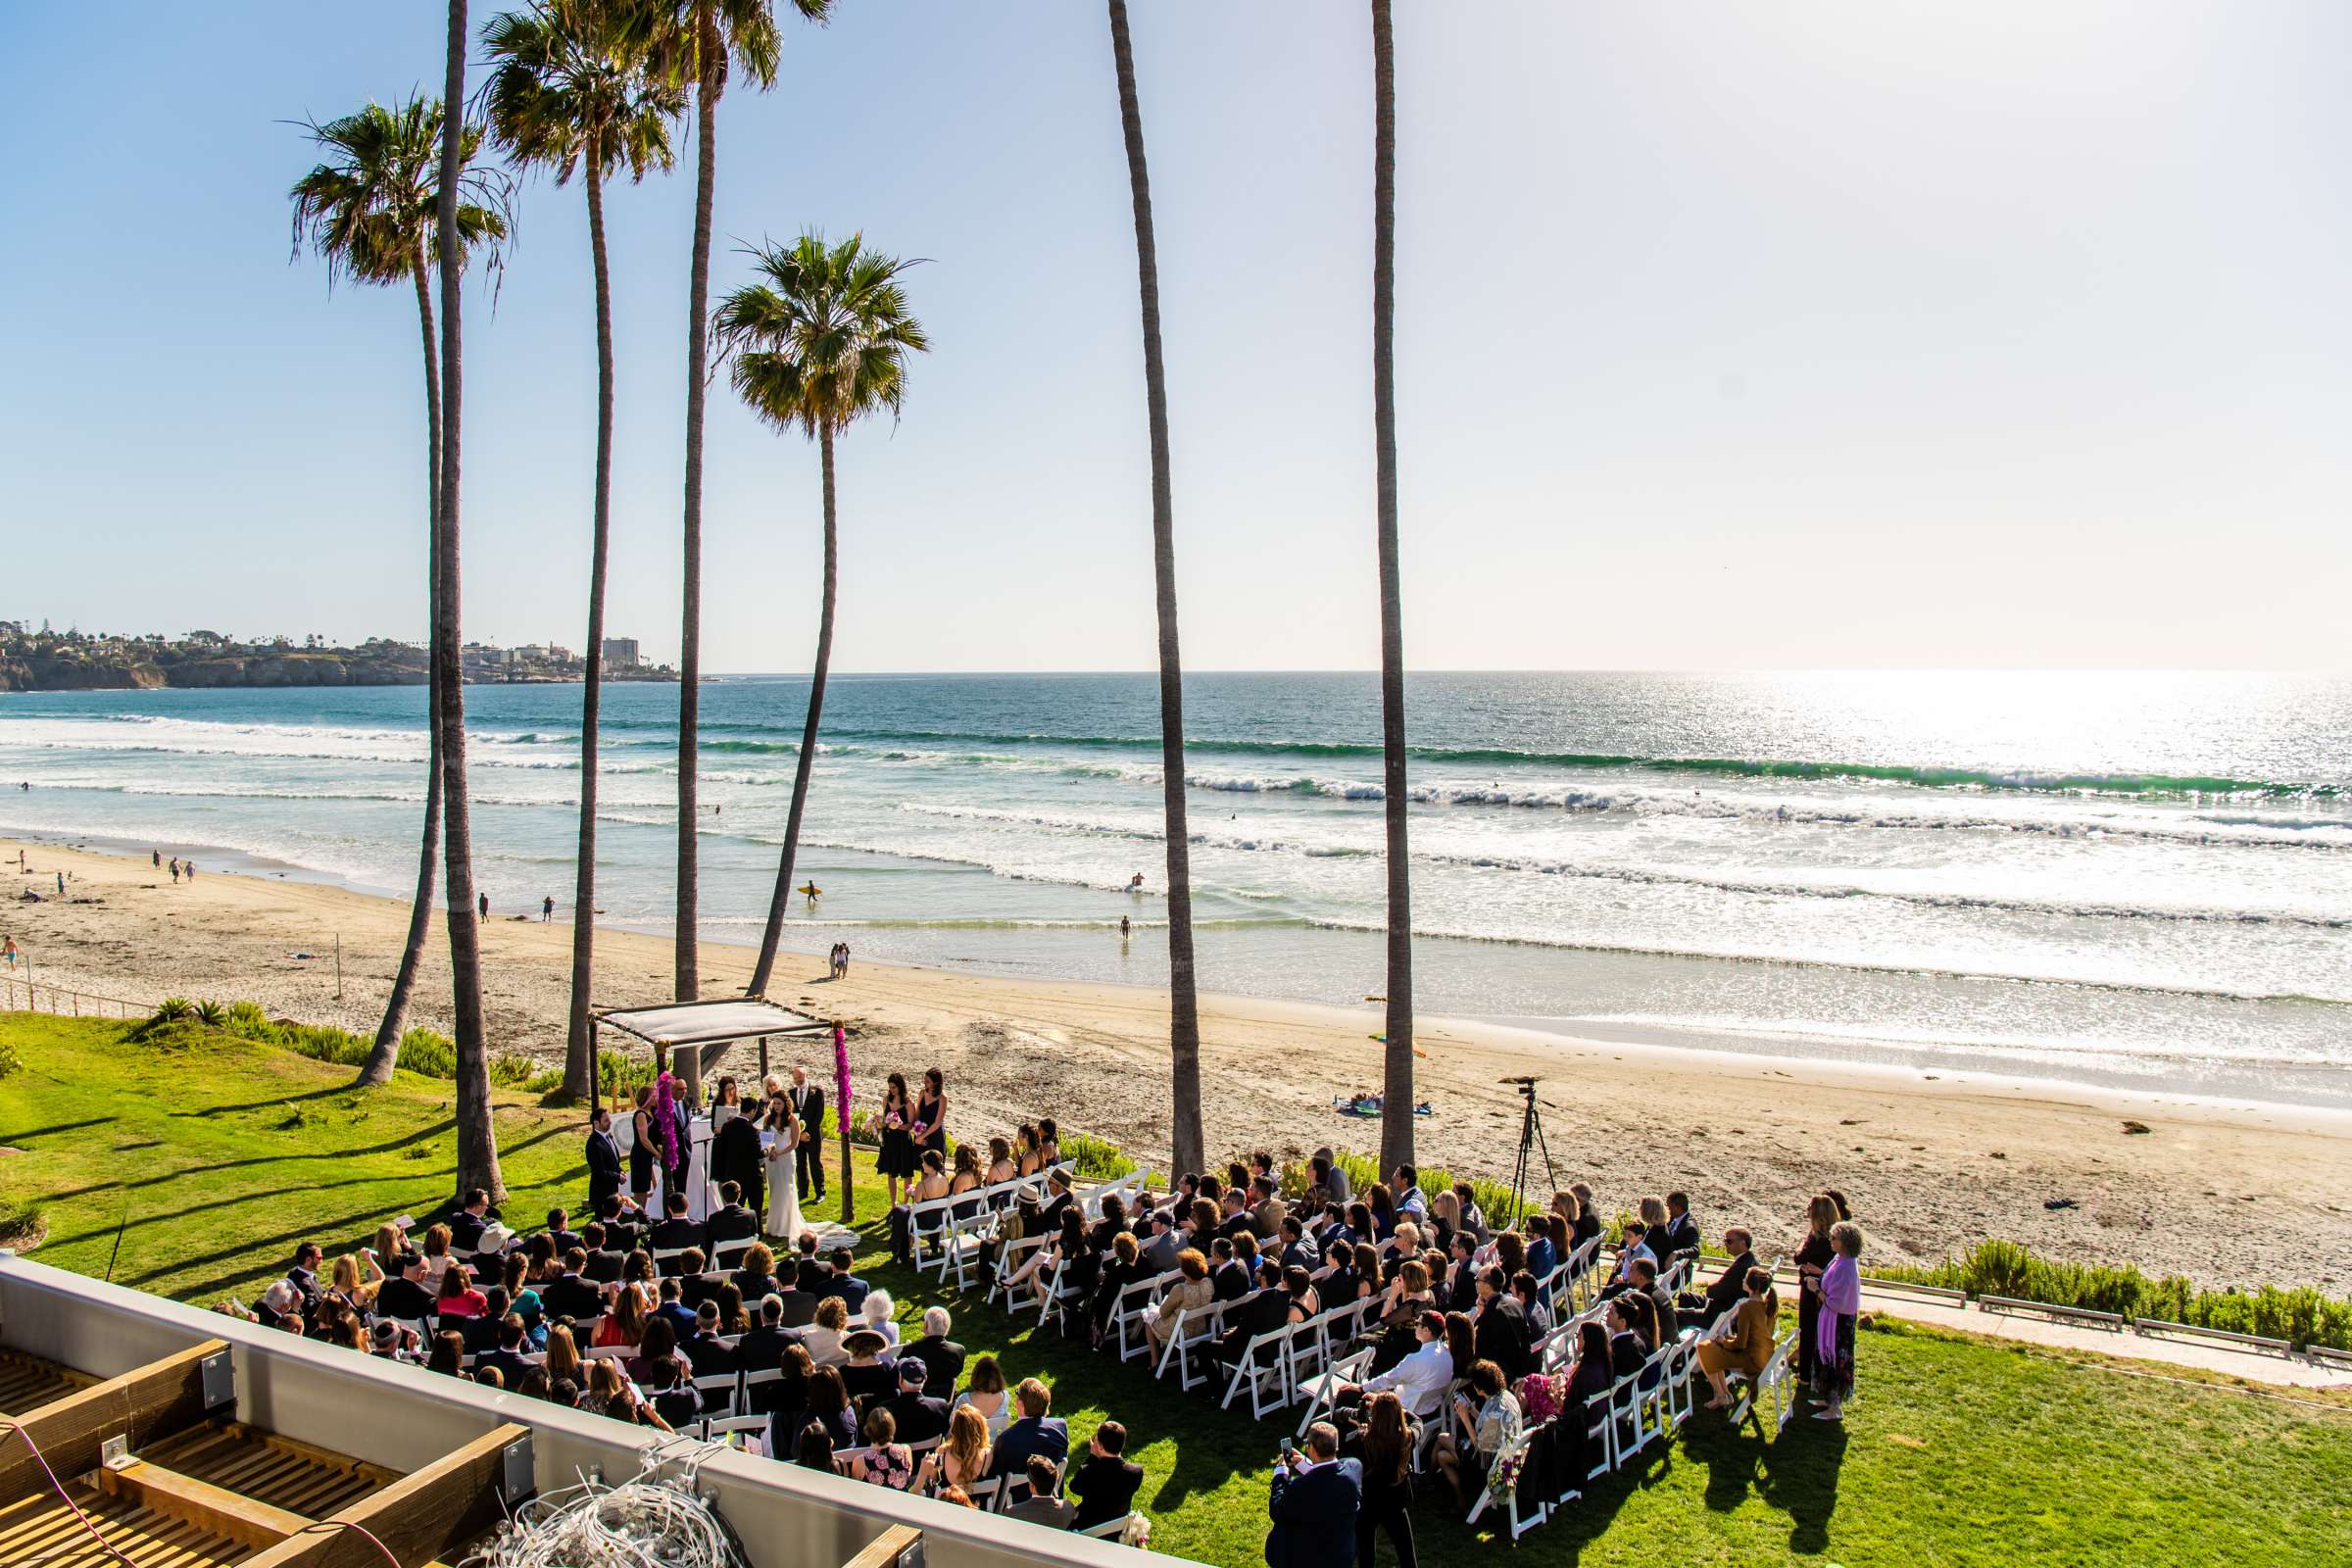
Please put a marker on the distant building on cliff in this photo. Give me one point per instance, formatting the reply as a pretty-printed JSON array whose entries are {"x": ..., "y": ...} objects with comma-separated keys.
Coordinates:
[{"x": 621, "y": 653}]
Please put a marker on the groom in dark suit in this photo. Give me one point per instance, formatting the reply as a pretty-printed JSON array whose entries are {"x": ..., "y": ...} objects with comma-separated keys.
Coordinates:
[
  {"x": 735, "y": 1157},
  {"x": 808, "y": 1160},
  {"x": 604, "y": 1158}
]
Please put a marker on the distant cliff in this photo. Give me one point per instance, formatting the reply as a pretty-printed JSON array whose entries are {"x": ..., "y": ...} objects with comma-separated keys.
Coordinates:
[{"x": 80, "y": 673}]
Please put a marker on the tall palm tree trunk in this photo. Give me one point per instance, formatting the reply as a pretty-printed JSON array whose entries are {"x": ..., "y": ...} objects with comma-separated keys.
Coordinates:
[
  {"x": 579, "y": 1040},
  {"x": 800, "y": 772},
  {"x": 711, "y": 60},
  {"x": 1184, "y": 1008},
  {"x": 1396, "y": 1120},
  {"x": 385, "y": 1052},
  {"x": 478, "y": 1140}
]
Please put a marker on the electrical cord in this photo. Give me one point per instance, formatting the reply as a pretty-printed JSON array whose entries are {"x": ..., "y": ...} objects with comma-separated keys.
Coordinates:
[
  {"x": 59, "y": 1487},
  {"x": 647, "y": 1521},
  {"x": 122, "y": 1557}
]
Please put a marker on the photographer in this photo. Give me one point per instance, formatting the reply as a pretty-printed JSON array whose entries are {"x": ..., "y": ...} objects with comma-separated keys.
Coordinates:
[{"x": 1313, "y": 1505}]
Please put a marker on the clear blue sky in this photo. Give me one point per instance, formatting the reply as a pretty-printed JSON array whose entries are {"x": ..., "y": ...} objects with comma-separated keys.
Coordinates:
[{"x": 1730, "y": 335}]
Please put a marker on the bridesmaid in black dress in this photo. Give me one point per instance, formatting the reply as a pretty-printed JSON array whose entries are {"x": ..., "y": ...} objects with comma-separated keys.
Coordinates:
[
  {"x": 641, "y": 1148},
  {"x": 1813, "y": 1255},
  {"x": 931, "y": 1115},
  {"x": 897, "y": 1160}
]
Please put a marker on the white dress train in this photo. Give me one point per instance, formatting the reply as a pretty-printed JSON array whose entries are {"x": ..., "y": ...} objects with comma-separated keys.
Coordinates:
[{"x": 783, "y": 1197}]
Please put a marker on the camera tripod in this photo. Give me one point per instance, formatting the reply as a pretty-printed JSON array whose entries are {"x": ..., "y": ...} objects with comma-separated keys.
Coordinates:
[{"x": 1532, "y": 1143}]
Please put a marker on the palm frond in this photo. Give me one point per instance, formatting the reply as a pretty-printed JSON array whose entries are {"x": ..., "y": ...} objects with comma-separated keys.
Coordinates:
[
  {"x": 824, "y": 336},
  {"x": 369, "y": 208}
]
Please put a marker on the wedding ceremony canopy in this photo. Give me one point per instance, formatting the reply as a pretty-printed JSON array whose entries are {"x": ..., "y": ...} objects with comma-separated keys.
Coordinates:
[{"x": 720, "y": 1022}]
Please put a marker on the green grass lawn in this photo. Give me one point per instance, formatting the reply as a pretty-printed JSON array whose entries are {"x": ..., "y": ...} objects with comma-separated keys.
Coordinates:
[{"x": 211, "y": 1158}]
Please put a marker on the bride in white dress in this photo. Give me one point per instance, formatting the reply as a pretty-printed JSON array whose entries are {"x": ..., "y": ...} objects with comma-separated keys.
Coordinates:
[{"x": 780, "y": 1133}]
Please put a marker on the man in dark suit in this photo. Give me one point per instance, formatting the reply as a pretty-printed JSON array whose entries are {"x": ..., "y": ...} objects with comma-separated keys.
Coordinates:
[
  {"x": 1313, "y": 1504},
  {"x": 1037, "y": 1432},
  {"x": 605, "y": 1259},
  {"x": 1228, "y": 1279},
  {"x": 559, "y": 1234},
  {"x": 845, "y": 1283},
  {"x": 811, "y": 1274},
  {"x": 677, "y": 1230},
  {"x": 735, "y": 1220},
  {"x": 703, "y": 1349},
  {"x": 943, "y": 1356},
  {"x": 1728, "y": 1287},
  {"x": 467, "y": 1223},
  {"x": 1298, "y": 1250},
  {"x": 1262, "y": 1313},
  {"x": 1501, "y": 1331},
  {"x": 303, "y": 1275},
  {"x": 622, "y": 1224},
  {"x": 572, "y": 1294},
  {"x": 680, "y": 1316},
  {"x": 1106, "y": 1484},
  {"x": 761, "y": 1347},
  {"x": 808, "y": 1103},
  {"x": 1160, "y": 1245},
  {"x": 736, "y": 1156},
  {"x": 1682, "y": 1230},
  {"x": 604, "y": 1159},
  {"x": 507, "y": 1356},
  {"x": 918, "y": 1415},
  {"x": 1460, "y": 1290}
]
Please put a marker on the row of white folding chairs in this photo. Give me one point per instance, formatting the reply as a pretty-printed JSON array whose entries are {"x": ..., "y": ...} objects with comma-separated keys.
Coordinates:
[
  {"x": 946, "y": 1234},
  {"x": 721, "y": 1254}
]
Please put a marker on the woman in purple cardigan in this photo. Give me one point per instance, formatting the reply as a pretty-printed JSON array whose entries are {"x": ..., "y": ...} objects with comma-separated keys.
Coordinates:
[{"x": 1833, "y": 1329}]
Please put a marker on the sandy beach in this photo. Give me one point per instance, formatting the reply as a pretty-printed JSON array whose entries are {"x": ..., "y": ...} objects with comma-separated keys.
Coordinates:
[{"x": 2225, "y": 1193}]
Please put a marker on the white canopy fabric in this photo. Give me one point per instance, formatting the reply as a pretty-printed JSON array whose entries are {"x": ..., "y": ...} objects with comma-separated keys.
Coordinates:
[{"x": 707, "y": 1023}]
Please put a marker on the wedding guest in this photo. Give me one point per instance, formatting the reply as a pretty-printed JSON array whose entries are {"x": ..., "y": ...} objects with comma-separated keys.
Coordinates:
[
  {"x": 1745, "y": 1343},
  {"x": 1833, "y": 1328},
  {"x": 896, "y": 1161},
  {"x": 1813, "y": 1255}
]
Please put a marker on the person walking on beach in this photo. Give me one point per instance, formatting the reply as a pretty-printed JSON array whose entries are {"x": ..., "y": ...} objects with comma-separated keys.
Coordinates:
[
  {"x": 483, "y": 912},
  {"x": 159, "y": 859},
  {"x": 8, "y": 951},
  {"x": 60, "y": 884},
  {"x": 191, "y": 871},
  {"x": 547, "y": 909}
]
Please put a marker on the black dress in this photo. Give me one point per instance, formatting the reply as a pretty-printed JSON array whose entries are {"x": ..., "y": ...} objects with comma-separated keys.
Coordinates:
[
  {"x": 1816, "y": 1252},
  {"x": 926, "y": 1111},
  {"x": 897, "y": 1155},
  {"x": 640, "y": 1154}
]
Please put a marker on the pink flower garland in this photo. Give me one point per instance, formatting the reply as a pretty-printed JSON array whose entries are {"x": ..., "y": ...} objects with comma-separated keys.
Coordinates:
[{"x": 841, "y": 1073}]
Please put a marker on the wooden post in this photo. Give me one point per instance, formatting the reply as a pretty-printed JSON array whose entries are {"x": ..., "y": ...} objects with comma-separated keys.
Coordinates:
[
  {"x": 763, "y": 1066},
  {"x": 338, "y": 967},
  {"x": 145, "y": 1403},
  {"x": 890, "y": 1548},
  {"x": 418, "y": 1518}
]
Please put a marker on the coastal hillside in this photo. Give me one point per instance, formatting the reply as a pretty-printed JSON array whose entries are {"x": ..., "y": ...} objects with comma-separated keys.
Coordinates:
[{"x": 71, "y": 672}]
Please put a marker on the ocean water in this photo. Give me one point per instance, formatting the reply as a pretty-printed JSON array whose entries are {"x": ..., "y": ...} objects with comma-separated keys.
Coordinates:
[{"x": 2141, "y": 880}]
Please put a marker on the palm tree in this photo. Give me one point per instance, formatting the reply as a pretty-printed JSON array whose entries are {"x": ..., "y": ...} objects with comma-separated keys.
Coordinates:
[
  {"x": 706, "y": 40},
  {"x": 477, "y": 1139},
  {"x": 370, "y": 213},
  {"x": 819, "y": 341},
  {"x": 574, "y": 90},
  {"x": 1184, "y": 1007},
  {"x": 1396, "y": 1120}
]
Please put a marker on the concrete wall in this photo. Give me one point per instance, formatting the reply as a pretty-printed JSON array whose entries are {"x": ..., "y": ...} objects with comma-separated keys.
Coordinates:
[{"x": 405, "y": 1417}]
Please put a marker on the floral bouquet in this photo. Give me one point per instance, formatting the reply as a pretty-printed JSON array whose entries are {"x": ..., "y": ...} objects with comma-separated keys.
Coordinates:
[
  {"x": 1542, "y": 1395},
  {"x": 1502, "y": 1477}
]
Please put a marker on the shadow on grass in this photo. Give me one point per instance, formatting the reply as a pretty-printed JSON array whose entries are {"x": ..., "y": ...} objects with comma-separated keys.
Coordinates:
[
  {"x": 361, "y": 1238},
  {"x": 1802, "y": 1471},
  {"x": 407, "y": 1140},
  {"x": 61, "y": 1127},
  {"x": 327, "y": 1092}
]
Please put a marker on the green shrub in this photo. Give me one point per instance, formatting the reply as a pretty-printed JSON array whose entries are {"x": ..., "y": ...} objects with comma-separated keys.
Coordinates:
[
  {"x": 511, "y": 1071},
  {"x": 22, "y": 1226},
  {"x": 426, "y": 1055},
  {"x": 212, "y": 1014},
  {"x": 173, "y": 1009},
  {"x": 545, "y": 1083},
  {"x": 1999, "y": 1267},
  {"x": 1097, "y": 1159},
  {"x": 622, "y": 1073},
  {"x": 247, "y": 1018},
  {"x": 1492, "y": 1198}
]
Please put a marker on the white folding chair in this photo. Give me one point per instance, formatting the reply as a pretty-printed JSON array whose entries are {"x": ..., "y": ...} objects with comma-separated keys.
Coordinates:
[
  {"x": 1127, "y": 1312},
  {"x": 1109, "y": 1529},
  {"x": 723, "y": 1253},
  {"x": 1193, "y": 1325},
  {"x": 1322, "y": 1391},
  {"x": 1265, "y": 1370},
  {"x": 718, "y": 1393},
  {"x": 1522, "y": 1513}
]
